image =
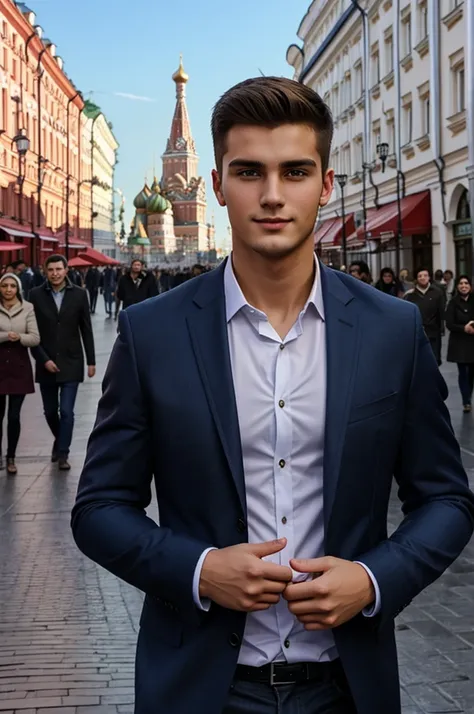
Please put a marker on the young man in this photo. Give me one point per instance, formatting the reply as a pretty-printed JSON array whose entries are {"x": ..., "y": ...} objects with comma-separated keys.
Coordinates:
[
  {"x": 272, "y": 400},
  {"x": 360, "y": 270},
  {"x": 135, "y": 286},
  {"x": 431, "y": 302},
  {"x": 63, "y": 316}
]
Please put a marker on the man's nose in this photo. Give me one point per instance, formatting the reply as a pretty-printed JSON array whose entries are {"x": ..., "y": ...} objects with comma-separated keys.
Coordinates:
[{"x": 272, "y": 195}]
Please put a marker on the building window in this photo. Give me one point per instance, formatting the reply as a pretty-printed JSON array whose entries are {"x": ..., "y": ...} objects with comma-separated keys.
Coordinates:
[
  {"x": 407, "y": 127},
  {"x": 346, "y": 160},
  {"x": 406, "y": 35},
  {"x": 335, "y": 101},
  {"x": 425, "y": 115},
  {"x": 358, "y": 81},
  {"x": 423, "y": 19},
  {"x": 375, "y": 65},
  {"x": 389, "y": 53},
  {"x": 459, "y": 89}
]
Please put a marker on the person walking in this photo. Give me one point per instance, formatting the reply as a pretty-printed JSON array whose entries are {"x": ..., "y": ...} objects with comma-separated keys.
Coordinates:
[
  {"x": 62, "y": 312},
  {"x": 18, "y": 332},
  {"x": 92, "y": 283},
  {"x": 108, "y": 286},
  {"x": 272, "y": 401},
  {"x": 460, "y": 323},
  {"x": 431, "y": 302},
  {"x": 135, "y": 285},
  {"x": 388, "y": 283}
]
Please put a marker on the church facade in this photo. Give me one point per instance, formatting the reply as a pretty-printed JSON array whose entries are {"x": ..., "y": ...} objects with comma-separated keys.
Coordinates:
[{"x": 170, "y": 219}]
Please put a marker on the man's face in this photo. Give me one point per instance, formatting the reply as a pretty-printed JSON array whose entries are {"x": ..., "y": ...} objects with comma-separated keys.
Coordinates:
[
  {"x": 423, "y": 279},
  {"x": 136, "y": 267},
  {"x": 56, "y": 273},
  {"x": 448, "y": 276},
  {"x": 354, "y": 270},
  {"x": 20, "y": 268},
  {"x": 272, "y": 185}
]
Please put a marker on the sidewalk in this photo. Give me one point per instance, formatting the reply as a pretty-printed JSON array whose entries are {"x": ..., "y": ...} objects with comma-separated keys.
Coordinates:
[{"x": 68, "y": 629}]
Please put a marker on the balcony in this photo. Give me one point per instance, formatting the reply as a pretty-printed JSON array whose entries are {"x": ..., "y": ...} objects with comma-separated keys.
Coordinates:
[
  {"x": 375, "y": 91},
  {"x": 408, "y": 150},
  {"x": 360, "y": 103},
  {"x": 457, "y": 122}
]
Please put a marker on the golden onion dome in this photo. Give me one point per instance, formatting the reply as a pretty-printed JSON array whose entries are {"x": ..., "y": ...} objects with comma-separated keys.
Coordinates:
[{"x": 180, "y": 76}]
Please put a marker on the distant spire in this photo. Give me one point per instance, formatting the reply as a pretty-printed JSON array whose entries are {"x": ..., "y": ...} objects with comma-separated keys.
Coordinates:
[
  {"x": 180, "y": 76},
  {"x": 180, "y": 138}
]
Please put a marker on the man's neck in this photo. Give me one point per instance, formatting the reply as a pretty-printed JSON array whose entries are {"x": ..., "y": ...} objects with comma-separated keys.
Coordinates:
[
  {"x": 423, "y": 290},
  {"x": 58, "y": 288},
  {"x": 280, "y": 287}
]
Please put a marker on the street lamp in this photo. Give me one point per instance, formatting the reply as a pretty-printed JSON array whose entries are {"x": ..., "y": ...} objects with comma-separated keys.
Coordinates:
[
  {"x": 22, "y": 146},
  {"x": 342, "y": 181},
  {"x": 382, "y": 151}
]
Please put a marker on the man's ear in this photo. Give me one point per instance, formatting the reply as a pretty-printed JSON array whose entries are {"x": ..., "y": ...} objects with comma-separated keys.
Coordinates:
[{"x": 217, "y": 186}]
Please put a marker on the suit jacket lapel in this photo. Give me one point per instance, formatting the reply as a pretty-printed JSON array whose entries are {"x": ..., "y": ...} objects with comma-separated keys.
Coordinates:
[
  {"x": 208, "y": 329},
  {"x": 342, "y": 342}
]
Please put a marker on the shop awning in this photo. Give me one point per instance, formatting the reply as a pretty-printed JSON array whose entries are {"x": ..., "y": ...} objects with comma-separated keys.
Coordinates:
[
  {"x": 79, "y": 263},
  {"x": 16, "y": 232},
  {"x": 323, "y": 229},
  {"x": 97, "y": 258},
  {"x": 74, "y": 243},
  {"x": 6, "y": 245},
  {"x": 47, "y": 239},
  {"x": 333, "y": 236},
  {"x": 415, "y": 213}
]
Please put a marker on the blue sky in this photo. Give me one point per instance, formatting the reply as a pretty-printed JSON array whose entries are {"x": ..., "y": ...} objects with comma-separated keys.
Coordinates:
[{"x": 112, "y": 46}]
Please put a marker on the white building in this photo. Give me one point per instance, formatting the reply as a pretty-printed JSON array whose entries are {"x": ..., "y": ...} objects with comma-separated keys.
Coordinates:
[
  {"x": 99, "y": 136},
  {"x": 392, "y": 72}
]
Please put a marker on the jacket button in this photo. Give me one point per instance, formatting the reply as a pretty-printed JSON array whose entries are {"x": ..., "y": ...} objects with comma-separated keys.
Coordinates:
[
  {"x": 241, "y": 525},
  {"x": 234, "y": 640}
]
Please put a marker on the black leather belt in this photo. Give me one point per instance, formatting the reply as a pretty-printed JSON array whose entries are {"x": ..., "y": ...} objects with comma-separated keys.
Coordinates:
[{"x": 284, "y": 673}]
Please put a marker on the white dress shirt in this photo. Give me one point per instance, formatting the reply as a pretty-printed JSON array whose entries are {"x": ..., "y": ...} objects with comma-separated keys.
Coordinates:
[{"x": 280, "y": 389}]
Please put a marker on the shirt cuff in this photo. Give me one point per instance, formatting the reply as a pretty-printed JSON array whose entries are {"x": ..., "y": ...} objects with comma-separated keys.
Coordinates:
[
  {"x": 374, "y": 608},
  {"x": 201, "y": 603}
]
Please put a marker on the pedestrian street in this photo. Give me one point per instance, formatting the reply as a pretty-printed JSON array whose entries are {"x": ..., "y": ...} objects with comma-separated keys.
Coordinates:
[{"x": 68, "y": 629}]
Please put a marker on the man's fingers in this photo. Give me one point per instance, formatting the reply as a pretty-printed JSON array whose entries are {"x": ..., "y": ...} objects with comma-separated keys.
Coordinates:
[
  {"x": 274, "y": 586},
  {"x": 268, "y": 548},
  {"x": 278, "y": 573},
  {"x": 313, "y": 565}
]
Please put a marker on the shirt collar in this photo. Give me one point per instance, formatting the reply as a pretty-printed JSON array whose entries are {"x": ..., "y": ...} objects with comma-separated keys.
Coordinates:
[{"x": 235, "y": 299}]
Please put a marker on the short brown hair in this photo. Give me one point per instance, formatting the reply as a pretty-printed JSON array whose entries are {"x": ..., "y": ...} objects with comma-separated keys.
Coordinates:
[
  {"x": 56, "y": 258},
  {"x": 271, "y": 102}
]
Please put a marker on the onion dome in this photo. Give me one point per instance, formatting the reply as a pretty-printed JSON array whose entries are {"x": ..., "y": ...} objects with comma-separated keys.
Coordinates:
[
  {"x": 180, "y": 76},
  {"x": 141, "y": 199},
  {"x": 157, "y": 203}
]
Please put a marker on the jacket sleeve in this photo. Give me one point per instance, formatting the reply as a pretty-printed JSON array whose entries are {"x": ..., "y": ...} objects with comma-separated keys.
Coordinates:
[
  {"x": 31, "y": 337},
  {"x": 450, "y": 315},
  {"x": 39, "y": 353},
  {"x": 109, "y": 520},
  {"x": 85, "y": 327},
  {"x": 437, "y": 503}
]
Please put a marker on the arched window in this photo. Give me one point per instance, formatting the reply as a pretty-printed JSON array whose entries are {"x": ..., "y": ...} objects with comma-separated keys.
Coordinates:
[{"x": 463, "y": 212}]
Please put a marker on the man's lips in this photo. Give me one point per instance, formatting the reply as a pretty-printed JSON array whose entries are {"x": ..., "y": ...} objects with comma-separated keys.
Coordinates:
[{"x": 273, "y": 223}]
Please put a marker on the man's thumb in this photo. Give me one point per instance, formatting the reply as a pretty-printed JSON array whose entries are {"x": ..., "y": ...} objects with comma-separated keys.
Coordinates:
[
  {"x": 267, "y": 548},
  {"x": 312, "y": 565}
]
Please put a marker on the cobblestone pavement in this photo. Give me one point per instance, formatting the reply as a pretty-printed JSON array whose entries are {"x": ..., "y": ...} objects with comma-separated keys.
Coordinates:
[{"x": 68, "y": 629}]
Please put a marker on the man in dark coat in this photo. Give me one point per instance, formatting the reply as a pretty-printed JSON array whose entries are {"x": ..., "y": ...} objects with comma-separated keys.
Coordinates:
[
  {"x": 92, "y": 286},
  {"x": 135, "y": 286},
  {"x": 431, "y": 303},
  {"x": 62, "y": 313},
  {"x": 108, "y": 286}
]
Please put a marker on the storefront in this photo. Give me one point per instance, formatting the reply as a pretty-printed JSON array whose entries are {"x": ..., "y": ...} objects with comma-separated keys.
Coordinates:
[{"x": 462, "y": 235}]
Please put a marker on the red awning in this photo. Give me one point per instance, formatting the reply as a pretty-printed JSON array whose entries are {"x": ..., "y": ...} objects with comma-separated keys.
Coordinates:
[
  {"x": 95, "y": 257},
  {"x": 79, "y": 263},
  {"x": 415, "y": 212},
  {"x": 6, "y": 245},
  {"x": 323, "y": 229},
  {"x": 47, "y": 239},
  {"x": 16, "y": 232},
  {"x": 74, "y": 243},
  {"x": 333, "y": 237}
]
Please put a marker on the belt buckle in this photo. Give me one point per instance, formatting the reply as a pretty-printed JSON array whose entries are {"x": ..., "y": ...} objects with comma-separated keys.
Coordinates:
[{"x": 273, "y": 674}]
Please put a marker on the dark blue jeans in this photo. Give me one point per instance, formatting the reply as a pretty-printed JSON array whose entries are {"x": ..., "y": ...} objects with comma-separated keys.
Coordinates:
[
  {"x": 312, "y": 698},
  {"x": 466, "y": 382},
  {"x": 108, "y": 301},
  {"x": 58, "y": 405}
]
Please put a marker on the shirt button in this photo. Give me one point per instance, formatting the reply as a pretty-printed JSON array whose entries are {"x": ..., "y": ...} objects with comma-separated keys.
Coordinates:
[
  {"x": 281, "y": 463},
  {"x": 281, "y": 403},
  {"x": 282, "y": 347},
  {"x": 287, "y": 643},
  {"x": 283, "y": 520},
  {"x": 234, "y": 640}
]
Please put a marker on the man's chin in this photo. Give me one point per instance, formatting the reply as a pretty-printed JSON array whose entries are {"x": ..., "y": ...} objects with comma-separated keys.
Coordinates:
[{"x": 277, "y": 247}]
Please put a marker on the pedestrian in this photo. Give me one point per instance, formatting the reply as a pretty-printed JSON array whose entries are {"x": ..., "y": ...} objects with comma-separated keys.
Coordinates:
[
  {"x": 460, "y": 323},
  {"x": 62, "y": 312},
  {"x": 272, "y": 400},
  {"x": 135, "y": 285},
  {"x": 92, "y": 283},
  {"x": 388, "y": 283},
  {"x": 431, "y": 303},
  {"x": 18, "y": 332},
  {"x": 25, "y": 276},
  {"x": 450, "y": 284},
  {"x": 405, "y": 283},
  {"x": 360, "y": 270},
  {"x": 108, "y": 286}
]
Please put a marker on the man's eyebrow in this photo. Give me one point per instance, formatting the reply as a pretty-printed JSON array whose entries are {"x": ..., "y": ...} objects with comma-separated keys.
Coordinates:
[{"x": 292, "y": 164}]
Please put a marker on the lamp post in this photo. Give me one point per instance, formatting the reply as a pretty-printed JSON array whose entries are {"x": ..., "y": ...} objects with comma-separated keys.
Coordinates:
[
  {"x": 382, "y": 151},
  {"x": 22, "y": 146},
  {"x": 342, "y": 181}
]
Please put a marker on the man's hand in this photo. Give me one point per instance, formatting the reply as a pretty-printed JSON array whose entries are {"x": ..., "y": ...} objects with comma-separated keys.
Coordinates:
[
  {"x": 469, "y": 328},
  {"x": 340, "y": 589},
  {"x": 51, "y": 366},
  {"x": 91, "y": 371},
  {"x": 237, "y": 578},
  {"x": 13, "y": 336}
]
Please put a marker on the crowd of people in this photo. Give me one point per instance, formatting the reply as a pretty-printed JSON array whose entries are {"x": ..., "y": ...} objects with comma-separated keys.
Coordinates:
[
  {"x": 444, "y": 303},
  {"x": 47, "y": 310}
]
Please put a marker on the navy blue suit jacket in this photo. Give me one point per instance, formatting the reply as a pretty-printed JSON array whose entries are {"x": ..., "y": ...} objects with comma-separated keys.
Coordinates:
[{"x": 168, "y": 413}]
